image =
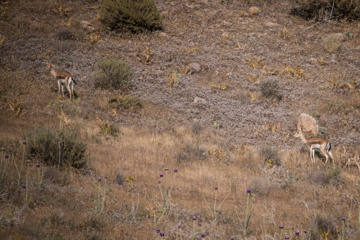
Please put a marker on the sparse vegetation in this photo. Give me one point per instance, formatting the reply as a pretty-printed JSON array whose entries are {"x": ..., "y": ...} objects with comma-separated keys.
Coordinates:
[
  {"x": 133, "y": 15},
  {"x": 214, "y": 126},
  {"x": 328, "y": 9},
  {"x": 112, "y": 74}
]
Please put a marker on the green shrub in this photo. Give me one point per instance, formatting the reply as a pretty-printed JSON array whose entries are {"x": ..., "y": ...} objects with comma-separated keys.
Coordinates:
[
  {"x": 270, "y": 88},
  {"x": 327, "y": 9},
  {"x": 113, "y": 74},
  {"x": 56, "y": 147},
  {"x": 132, "y": 15},
  {"x": 125, "y": 102}
]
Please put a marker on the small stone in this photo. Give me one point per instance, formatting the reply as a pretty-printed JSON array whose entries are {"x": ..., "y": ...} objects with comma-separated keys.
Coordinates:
[
  {"x": 271, "y": 24},
  {"x": 195, "y": 67},
  {"x": 162, "y": 34},
  {"x": 199, "y": 100},
  {"x": 254, "y": 10},
  {"x": 87, "y": 25}
]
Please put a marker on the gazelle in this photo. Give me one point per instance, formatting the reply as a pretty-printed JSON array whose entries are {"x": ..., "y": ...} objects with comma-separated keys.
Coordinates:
[
  {"x": 316, "y": 143},
  {"x": 64, "y": 78}
]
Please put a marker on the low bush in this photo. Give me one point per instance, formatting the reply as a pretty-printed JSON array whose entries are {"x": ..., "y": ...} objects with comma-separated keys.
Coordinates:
[
  {"x": 57, "y": 147},
  {"x": 191, "y": 152},
  {"x": 328, "y": 9},
  {"x": 331, "y": 43},
  {"x": 125, "y": 102},
  {"x": 113, "y": 74},
  {"x": 270, "y": 88},
  {"x": 132, "y": 15},
  {"x": 270, "y": 156}
]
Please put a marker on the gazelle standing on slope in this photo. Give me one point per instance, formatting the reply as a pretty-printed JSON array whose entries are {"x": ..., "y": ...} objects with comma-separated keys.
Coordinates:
[
  {"x": 64, "y": 78},
  {"x": 316, "y": 143}
]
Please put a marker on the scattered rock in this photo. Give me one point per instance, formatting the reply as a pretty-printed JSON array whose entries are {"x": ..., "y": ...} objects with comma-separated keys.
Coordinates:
[
  {"x": 195, "y": 67},
  {"x": 254, "y": 10},
  {"x": 199, "y": 100},
  {"x": 87, "y": 25}
]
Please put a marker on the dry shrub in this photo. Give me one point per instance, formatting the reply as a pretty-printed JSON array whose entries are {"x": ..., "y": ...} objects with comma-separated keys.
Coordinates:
[
  {"x": 125, "y": 102},
  {"x": 191, "y": 152},
  {"x": 132, "y": 15},
  {"x": 63, "y": 46},
  {"x": 64, "y": 34},
  {"x": 320, "y": 224},
  {"x": 262, "y": 186},
  {"x": 328, "y": 9},
  {"x": 113, "y": 74},
  {"x": 331, "y": 176},
  {"x": 270, "y": 88},
  {"x": 53, "y": 175},
  {"x": 331, "y": 43},
  {"x": 270, "y": 155},
  {"x": 196, "y": 127},
  {"x": 56, "y": 147}
]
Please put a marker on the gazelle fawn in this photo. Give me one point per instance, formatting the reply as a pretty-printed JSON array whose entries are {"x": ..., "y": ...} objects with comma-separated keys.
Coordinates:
[
  {"x": 64, "y": 78},
  {"x": 316, "y": 143}
]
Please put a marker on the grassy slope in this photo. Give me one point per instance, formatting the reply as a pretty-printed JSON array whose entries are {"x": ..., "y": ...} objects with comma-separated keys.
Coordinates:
[{"x": 295, "y": 194}]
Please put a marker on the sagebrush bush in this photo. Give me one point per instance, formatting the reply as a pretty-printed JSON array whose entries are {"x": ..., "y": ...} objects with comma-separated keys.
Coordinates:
[
  {"x": 57, "y": 147},
  {"x": 270, "y": 88},
  {"x": 132, "y": 15},
  {"x": 113, "y": 74},
  {"x": 327, "y": 9},
  {"x": 125, "y": 102},
  {"x": 270, "y": 155}
]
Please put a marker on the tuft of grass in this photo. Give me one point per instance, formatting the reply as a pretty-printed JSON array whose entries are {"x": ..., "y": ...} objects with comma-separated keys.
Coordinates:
[
  {"x": 56, "y": 147},
  {"x": 131, "y": 15},
  {"x": 331, "y": 176},
  {"x": 113, "y": 74},
  {"x": 331, "y": 43}
]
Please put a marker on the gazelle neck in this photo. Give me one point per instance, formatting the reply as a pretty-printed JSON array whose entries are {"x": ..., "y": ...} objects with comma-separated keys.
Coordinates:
[{"x": 303, "y": 138}]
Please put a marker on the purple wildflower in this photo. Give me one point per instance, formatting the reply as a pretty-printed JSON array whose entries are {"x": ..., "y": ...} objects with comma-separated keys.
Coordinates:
[
  {"x": 162, "y": 234},
  {"x": 161, "y": 175},
  {"x": 194, "y": 218},
  {"x": 216, "y": 188},
  {"x": 175, "y": 170},
  {"x": 99, "y": 179},
  {"x": 179, "y": 226},
  {"x": 297, "y": 233},
  {"x": 24, "y": 186},
  {"x": 343, "y": 218},
  {"x": 281, "y": 226},
  {"x": 286, "y": 237},
  {"x": 199, "y": 224},
  {"x": 154, "y": 208},
  {"x": 157, "y": 230},
  {"x": 6, "y": 156},
  {"x": 159, "y": 182},
  {"x": 24, "y": 142},
  {"x": 248, "y": 190},
  {"x": 10, "y": 151},
  {"x": 38, "y": 165},
  {"x": 203, "y": 235}
]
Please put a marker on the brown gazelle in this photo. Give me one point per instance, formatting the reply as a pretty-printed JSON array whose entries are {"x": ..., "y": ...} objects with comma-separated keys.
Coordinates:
[
  {"x": 316, "y": 143},
  {"x": 64, "y": 78}
]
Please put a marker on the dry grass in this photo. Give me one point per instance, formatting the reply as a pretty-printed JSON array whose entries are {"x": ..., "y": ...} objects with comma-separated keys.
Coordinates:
[{"x": 215, "y": 144}]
